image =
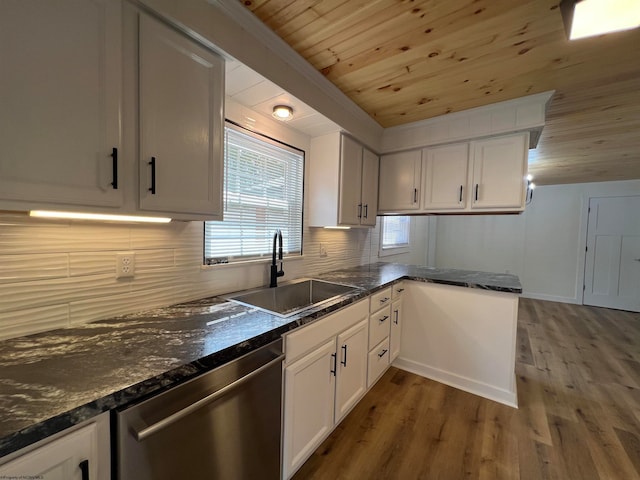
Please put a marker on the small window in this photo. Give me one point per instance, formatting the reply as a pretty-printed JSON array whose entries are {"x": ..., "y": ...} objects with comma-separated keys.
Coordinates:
[
  {"x": 263, "y": 192},
  {"x": 394, "y": 235}
]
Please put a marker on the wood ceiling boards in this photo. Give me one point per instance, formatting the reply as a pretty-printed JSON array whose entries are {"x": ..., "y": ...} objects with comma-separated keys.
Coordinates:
[{"x": 402, "y": 61}]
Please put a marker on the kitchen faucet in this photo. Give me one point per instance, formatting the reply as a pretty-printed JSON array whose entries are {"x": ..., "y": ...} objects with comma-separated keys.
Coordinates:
[{"x": 274, "y": 268}]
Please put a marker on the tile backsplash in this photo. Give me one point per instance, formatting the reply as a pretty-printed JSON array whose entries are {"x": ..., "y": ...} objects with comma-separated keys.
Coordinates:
[{"x": 55, "y": 274}]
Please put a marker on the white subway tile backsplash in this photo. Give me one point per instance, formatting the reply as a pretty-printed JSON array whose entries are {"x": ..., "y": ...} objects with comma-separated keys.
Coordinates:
[
  {"x": 36, "y": 266},
  {"x": 59, "y": 273},
  {"x": 33, "y": 320}
]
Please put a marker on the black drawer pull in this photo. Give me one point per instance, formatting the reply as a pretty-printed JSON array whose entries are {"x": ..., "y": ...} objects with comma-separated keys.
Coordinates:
[
  {"x": 152, "y": 189},
  {"x": 382, "y": 354},
  {"x": 383, "y": 318},
  {"x": 84, "y": 468},
  {"x": 114, "y": 156}
]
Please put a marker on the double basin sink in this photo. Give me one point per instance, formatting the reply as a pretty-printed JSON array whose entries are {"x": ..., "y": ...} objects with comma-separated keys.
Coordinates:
[{"x": 293, "y": 297}]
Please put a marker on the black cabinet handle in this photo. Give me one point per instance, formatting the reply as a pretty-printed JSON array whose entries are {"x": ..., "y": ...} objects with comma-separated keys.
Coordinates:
[
  {"x": 396, "y": 320},
  {"x": 400, "y": 290},
  {"x": 152, "y": 189},
  {"x": 114, "y": 155},
  {"x": 84, "y": 468},
  {"x": 335, "y": 357},
  {"x": 460, "y": 200},
  {"x": 476, "y": 192},
  {"x": 415, "y": 195},
  {"x": 366, "y": 210},
  {"x": 381, "y": 354},
  {"x": 383, "y": 318},
  {"x": 359, "y": 210},
  {"x": 344, "y": 355},
  {"x": 384, "y": 300}
]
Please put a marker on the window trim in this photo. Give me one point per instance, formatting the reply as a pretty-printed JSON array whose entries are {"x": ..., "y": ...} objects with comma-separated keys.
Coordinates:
[
  {"x": 264, "y": 258},
  {"x": 393, "y": 250}
]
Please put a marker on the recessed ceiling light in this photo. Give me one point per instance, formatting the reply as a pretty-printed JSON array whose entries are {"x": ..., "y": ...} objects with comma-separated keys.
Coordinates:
[
  {"x": 585, "y": 18},
  {"x": 282, "y": 112}
]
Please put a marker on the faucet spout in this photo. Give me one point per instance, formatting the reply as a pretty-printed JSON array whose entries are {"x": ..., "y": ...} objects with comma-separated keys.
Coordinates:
[{"x": 275, "y": 273}]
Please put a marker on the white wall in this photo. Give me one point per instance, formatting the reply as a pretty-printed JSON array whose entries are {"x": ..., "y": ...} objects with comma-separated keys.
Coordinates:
[{"x": 544, "y": 246}]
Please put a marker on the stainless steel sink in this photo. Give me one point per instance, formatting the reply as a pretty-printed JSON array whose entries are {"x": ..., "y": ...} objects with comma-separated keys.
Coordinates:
[{"x": 293, "y": 297}]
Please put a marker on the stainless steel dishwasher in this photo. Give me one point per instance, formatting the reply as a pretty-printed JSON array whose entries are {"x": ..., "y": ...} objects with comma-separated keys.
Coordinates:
[{"x": 224, "y": 424}]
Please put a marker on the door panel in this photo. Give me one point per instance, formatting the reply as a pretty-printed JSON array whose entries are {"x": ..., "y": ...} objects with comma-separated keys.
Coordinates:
[
  {"x": 352, "y": 368},
  {"x": 612, "y": 264},
  {"x": 350, "y": 182}
]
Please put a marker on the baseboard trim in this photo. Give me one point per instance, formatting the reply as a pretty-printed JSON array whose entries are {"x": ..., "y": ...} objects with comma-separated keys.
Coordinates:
[
  {"x": 551, "y": 298},
  {"x": 453, "y": 380}
]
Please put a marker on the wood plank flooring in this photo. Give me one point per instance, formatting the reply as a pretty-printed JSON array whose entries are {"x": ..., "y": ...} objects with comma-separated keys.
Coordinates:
[{"x": 578, "y": 374}]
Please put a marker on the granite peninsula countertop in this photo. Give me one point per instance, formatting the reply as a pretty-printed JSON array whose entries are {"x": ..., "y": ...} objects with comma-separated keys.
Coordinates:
[{"x": 54, "y": 380}]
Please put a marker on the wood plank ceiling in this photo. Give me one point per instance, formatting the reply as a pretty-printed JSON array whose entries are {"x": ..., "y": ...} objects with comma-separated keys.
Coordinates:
[{"x": 407, "y": 60}]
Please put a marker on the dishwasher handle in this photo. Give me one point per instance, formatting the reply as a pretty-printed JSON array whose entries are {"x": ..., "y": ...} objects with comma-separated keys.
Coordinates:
[{"x": 165, "y": 422}]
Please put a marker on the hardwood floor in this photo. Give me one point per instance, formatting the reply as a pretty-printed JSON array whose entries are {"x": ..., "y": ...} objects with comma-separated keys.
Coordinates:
[{"x": 578, "y": 374}]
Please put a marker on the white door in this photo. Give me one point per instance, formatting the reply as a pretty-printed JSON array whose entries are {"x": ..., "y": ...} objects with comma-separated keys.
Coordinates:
[
  {"x": 309, "y": 392},
  {"x": 60, "y": 77},
  {"x": 181, "y": 92},
  {"x": 612, "y": 266},
  {"x": 351, "y": 380},
  {"x": 445, "y": 177},
  {"x": 350, "y": 208}
]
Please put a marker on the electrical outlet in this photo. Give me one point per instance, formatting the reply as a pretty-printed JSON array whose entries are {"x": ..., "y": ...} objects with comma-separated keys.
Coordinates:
[
  {"x": 125, "y": 264},
  {"x": 323, "y": 250}
]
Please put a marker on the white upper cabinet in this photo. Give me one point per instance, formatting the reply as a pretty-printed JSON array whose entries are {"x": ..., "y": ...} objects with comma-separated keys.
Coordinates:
[
  {"x": 499, "y": 171},
  {"x": 369, "y": 198},
  {"x": 61, "y": 96},
  {"x": 343, "y": 182},
  {"x": 481, "y": 176},
  {"x": 181, "y": 123},
  {"x": 445, "y": 177},
  {"x": 399, "y": 188},
  {"x": 350, "y": 207}
]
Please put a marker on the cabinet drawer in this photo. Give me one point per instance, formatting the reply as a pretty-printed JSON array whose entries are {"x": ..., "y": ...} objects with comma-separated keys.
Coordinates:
[
  {"x": 379, "y": 326},
  {"x": 306, "y": 338},
  {"x": 397, "y": 290},
  {"x": 378, "y": 361},
  {"x": 380, "y": 299}
]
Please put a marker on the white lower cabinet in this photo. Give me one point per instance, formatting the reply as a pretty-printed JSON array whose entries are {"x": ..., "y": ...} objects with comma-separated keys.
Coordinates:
[
  {"x": 324, "y": 377},
  {"x": 81, "y": 454},
  {"x": 396, "y": 320},
  {"x": 396, "y": 330}
]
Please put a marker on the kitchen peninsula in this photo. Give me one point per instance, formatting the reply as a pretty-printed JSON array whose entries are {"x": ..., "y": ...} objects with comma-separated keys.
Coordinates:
[{"x": 55, "y": 380}]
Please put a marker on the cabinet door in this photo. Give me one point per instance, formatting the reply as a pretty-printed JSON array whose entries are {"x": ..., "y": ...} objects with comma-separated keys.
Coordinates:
[
  {"x": 399, "y": 181},
  {"x": 309, "y": 389},
  {"x": 60, "y": 459},
  {"x": 181, "y": 123},
  {"x": 396, "y": 330},
  {"x": 370, "y": 167},
  {"x": 350, "y": 206},
  {"x": 499, "y": 171},
  {"x": 445, "y": 177},
  {"x": 351, "y": 380},
  {"x": 60, "y": 90}
]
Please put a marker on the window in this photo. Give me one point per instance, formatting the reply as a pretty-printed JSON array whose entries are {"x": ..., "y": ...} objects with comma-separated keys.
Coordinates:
[
  {"x": 394, "y": 235},
  {"x": 263, "y": 188}
]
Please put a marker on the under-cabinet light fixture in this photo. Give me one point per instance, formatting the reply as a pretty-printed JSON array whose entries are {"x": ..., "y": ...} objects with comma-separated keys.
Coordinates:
[
  {"x": 282, "y": 112},
  {"x": 586, "y": 18},
  {"x": 530, "y": 188},
  {"x": 338, "y": 228},
  {"x": 96, "y": 216}
]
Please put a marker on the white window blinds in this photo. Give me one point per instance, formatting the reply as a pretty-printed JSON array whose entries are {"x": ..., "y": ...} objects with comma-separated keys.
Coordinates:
[
  {"x": 395, "y": 232},
  {"x": 263, "y": 192}
]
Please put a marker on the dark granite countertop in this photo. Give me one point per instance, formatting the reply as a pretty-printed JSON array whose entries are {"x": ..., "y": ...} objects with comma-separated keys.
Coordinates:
[{"x": 54, "y": 380}]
